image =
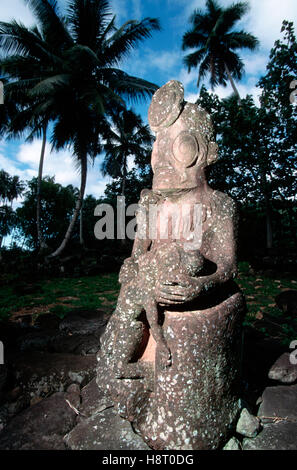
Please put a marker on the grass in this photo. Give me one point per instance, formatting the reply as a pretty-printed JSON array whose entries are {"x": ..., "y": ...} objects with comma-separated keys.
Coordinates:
[
  {"x": 62, "y": 295},
  {"x": 262, "y": 313}
]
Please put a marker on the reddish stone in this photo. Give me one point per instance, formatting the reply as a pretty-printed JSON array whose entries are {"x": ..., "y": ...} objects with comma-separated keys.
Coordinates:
[{"x": 170, "y": 353}]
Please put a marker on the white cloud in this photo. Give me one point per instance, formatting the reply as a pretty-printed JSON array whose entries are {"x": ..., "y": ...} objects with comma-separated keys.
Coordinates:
[
  {"x": 165, "y": 60},
  {"x": 16, "y": 9},
  {"x": 255, "y": 63},
  {"x": 191, "y": 97},
  {"x": 126, "y": 9},
  {"x": 244, "y": 89},
  {"x": 59, "y": 164},
  {"x": 266, "y": 16}
]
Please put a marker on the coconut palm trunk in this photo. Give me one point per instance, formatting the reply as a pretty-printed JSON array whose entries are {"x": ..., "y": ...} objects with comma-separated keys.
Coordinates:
[
  {"x": 83, "y": 176},
  {"x": 41, "y": 242},
  {"x": 233, "y": 84},
  {"x": 81, "y": 231},
  {"x": 124, "y": 169}
]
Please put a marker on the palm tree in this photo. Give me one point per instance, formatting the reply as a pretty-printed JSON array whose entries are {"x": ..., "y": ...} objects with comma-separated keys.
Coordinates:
[
  {"x": 80, "y": 80},
  {"x": 28, "y": 51},
  {"x": 10, "y": 189},
  {"x": 217, "y": 43},
  {"x": 128, "y": 136}
]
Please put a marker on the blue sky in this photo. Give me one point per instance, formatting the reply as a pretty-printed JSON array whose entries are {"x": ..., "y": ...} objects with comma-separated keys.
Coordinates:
[{"x": 159, "y": 60}]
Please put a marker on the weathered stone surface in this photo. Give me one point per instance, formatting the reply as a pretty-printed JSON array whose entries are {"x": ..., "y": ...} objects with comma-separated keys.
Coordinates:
[
  {"x": 232, "y": 444},
  {"x": 283, "y": 370},
  {"x": 76, "y": 343},
  {"x": 248, "y": 425},
  {"x": 41, "y": 426},
  {"x": 279, "y": 402},
  {"x": 278, "y": 436},
  {"x": 104, "y": 431},
  {"x": 84, "y": 322},
  {"x": 170, "y": 353},
  {"x": 40, "y": 373},
  {"x": 36, "y": 340},
  {"x": 94, "y": 399},
  {"x": 3, "y": 378}
]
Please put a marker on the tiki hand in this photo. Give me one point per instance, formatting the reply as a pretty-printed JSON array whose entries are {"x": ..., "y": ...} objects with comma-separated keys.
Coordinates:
[{"x": 177, "y": 290}]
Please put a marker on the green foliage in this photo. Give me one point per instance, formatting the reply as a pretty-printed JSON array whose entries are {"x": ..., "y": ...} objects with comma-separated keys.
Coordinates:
[
  {"x": 262, "y": 313},
  {"x": 66, "y": 70},
  {"x": 136, "y": 181},
  {"x": 57, "y": 207},
  {"x": 61, "y": 295},
  {"x": 127, "y": 136},
  {"x": 10, "y": 189},
  {"x": 258, "y": 147}
]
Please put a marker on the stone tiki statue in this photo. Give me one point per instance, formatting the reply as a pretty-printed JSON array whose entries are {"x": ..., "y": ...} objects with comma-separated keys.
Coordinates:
[{"x": 170, "y": 355}]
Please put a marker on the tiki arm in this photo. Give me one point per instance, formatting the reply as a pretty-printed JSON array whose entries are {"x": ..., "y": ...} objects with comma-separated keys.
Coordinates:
[{"x": 183, "y": 288}]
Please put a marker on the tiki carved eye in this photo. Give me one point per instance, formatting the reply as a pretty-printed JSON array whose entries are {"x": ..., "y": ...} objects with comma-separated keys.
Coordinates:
[{"x": 185, "y": 149}]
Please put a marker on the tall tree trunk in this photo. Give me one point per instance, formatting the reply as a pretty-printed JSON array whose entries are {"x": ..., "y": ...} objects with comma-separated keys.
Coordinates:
[
  {"x": 81, "y": 236},
  {"x": 267, "y": 203},
  {"x": 41, "y": 243},
  {"x": 123, "y": 188},
  {"x": 268, "y": 223},
  {"x": 83, "y": 176},
  {"x": 233, "y": 84},
  {"x": 124, "y": 175}
]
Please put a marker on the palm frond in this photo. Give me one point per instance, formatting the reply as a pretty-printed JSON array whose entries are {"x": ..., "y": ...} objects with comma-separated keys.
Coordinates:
[
  {"x": 52, "y": 26},
  {"x": 125, "y": 39},
  {"x": 193, "y": 38},
  {"x": 241, "y": 40},
  {"x": 87, "y": 20}
]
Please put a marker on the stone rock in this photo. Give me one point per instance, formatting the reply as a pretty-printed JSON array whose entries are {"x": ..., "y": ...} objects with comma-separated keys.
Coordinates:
[
  {"x": 84, "y": 322},
  {"x": 60, "y": 342},
  {"x": 73, "y": 388},
  {"x": 42, "y": 373},
  {"x": 3, "y": 379},
  {"x": 9, "y": 410},
  {"x": 94, "y": 399},
  {"x": 233, "y": 444},
  {"x": 283, "y": 370},
  {"x": 248, "y": 425},
  {"x": 171, "y": 350},
  {"x": 36, "y": 340},
  {"x": 280, "y": 402},
  {"x": 76, "y": 343},
  {"x": 104, "y": 431},
  {"x": 41, "y": 426},
  {"x": 277, "y": 436}
]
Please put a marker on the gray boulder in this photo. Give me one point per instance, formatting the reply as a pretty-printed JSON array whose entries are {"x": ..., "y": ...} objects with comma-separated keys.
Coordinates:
[
  {"x": 283, "y": 370},
  {"x": 104, "y": 431},
  {"x": 42, "y": 373},
  {"x": 279, "y": 402},
  {"x": 43, "y": 425},
  {"x": 232, "y": 444},
  {"x": 277, "y": 436},
  {"x": 248, "y": 425}
]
